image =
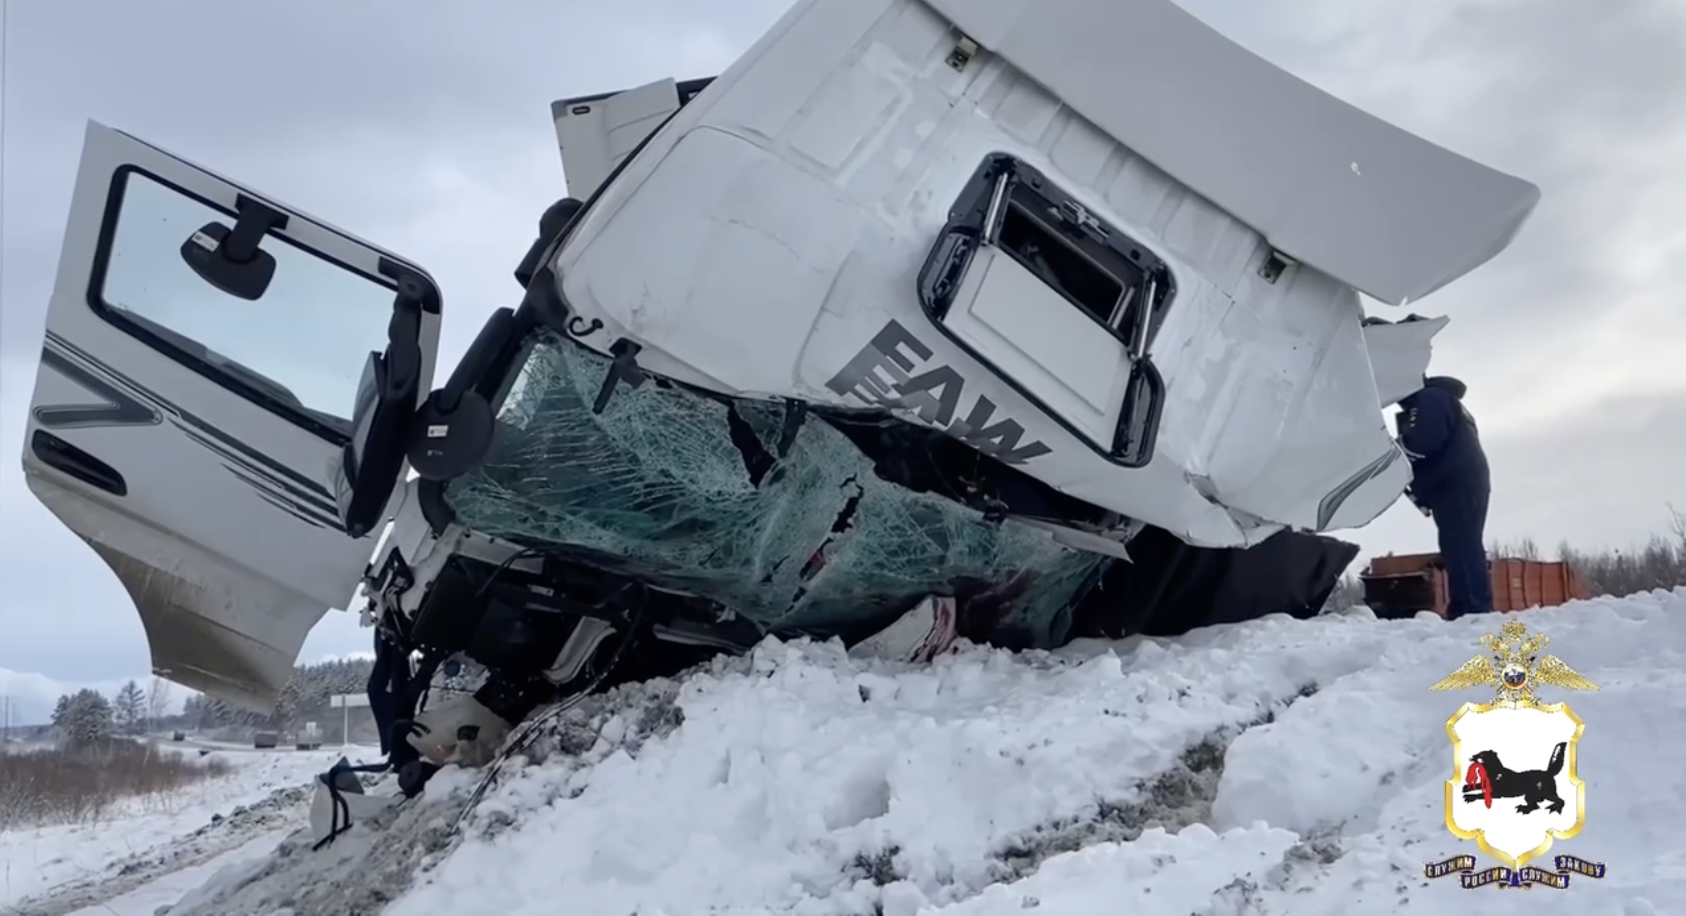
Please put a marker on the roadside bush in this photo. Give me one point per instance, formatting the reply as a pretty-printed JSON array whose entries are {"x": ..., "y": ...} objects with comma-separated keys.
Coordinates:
[{"x": 75, "y": 783}]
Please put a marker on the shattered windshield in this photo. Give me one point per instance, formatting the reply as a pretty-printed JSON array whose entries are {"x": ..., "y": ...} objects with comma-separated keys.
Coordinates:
[{"x": 673, "y": 487}]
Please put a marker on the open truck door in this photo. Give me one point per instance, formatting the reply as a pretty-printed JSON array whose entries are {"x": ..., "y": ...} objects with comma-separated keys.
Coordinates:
[{"x": 222, "y": 408}]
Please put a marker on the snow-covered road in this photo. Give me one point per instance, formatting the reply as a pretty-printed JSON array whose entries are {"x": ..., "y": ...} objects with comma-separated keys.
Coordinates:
[
  {"x": 151, "y": 851},
  {"x": 1271, "y": 768}
]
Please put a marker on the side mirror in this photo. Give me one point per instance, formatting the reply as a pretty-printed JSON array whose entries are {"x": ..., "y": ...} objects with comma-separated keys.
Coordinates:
[
  {"x": 230, "y": 259},
  {"x": 1138, "y": 424}
]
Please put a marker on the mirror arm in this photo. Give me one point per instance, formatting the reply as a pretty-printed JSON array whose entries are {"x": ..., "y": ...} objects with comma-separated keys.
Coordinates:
[
  {"x": 253, "y": 219},
  {"x": 403, "y": 362},
  {"x": 416, "y": 294}
]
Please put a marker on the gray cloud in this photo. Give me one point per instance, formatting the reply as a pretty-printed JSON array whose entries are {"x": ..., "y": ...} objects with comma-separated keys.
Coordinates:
[
  {"x": 1603, "y": 476},
  {"x": 1587, "y": 102},
  {"x": 424, "y": 126}
]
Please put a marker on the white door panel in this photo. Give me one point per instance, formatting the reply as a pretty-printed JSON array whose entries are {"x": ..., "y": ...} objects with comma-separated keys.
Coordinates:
[{"x": 192, "y": 413}]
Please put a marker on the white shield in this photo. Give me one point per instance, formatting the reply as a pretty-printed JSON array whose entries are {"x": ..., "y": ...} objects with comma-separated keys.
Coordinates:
[{"x": 1514, "y": 789}]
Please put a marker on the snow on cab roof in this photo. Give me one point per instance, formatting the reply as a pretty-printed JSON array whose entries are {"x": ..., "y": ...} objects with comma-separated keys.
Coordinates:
[{"x": 1370, "y": 204}]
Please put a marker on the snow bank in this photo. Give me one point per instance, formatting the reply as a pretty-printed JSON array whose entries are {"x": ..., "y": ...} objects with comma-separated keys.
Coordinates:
[
  {"x": 1274, "y": 767},
  {"x": 809, "y": 780},
  {"x": 60, "y": 869},
  {"x": 811, "y": 784}
]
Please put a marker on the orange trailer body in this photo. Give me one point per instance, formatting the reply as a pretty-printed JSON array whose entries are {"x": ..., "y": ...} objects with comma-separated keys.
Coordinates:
[{"x": 1402, "y": 585}]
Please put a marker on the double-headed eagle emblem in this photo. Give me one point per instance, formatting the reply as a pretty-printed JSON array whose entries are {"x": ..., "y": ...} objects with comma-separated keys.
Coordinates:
[{"x": 1513, "y": 667}]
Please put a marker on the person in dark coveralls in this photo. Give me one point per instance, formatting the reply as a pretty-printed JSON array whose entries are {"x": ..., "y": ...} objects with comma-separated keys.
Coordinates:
[{"x": 1450, "y": 483}]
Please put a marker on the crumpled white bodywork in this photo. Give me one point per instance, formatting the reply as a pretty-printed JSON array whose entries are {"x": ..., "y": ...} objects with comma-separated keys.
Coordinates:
[
  {"x": 773, "y": 238},
  {"x": 769, "y": 238}
]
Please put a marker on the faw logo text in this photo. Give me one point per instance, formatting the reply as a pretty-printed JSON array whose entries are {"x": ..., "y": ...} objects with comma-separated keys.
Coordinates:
[{"x": 883, "y": 374}]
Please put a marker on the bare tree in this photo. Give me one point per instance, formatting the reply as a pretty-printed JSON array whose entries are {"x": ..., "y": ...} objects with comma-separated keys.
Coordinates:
[
  {"x": 157, "y": 702},
  {"x": 128, "y": 710},
  {"x": 1659, "y": 563}
]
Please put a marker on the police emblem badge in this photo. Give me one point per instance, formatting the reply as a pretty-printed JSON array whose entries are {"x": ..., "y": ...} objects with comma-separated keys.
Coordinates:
[{"x": 1514, "y": 789}]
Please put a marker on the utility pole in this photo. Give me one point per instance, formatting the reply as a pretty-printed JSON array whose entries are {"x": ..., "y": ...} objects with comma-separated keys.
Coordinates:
[{"x": 345, "y": 702}]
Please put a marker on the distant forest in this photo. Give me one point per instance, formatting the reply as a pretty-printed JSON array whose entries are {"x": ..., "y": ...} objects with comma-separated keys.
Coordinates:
[{"x": 87, "y": 715}]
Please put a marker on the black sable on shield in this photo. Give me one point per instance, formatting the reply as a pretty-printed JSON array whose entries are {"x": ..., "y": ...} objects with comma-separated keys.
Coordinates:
[{"x": 1488, "y": 779}]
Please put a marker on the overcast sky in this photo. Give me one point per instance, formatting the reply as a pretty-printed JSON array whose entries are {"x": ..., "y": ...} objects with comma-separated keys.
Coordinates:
[{"x": 424, "y": 125}]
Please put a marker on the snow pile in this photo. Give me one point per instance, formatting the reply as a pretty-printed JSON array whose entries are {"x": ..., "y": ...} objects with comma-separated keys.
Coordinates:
[{"x": 1274, "y": 767}]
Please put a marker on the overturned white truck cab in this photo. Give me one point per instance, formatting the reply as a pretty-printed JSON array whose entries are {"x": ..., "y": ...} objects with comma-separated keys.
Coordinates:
[{"x": 1042, "y": 314}]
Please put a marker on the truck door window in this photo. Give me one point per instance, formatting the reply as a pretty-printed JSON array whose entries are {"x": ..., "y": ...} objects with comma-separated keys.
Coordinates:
[{"x": 298, "y": 349}]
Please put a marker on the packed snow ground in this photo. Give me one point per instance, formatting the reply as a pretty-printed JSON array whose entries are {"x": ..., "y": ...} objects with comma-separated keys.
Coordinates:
[
  {"x": 1264, "y": 769},
  {"x": 151, "y": 851}
]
